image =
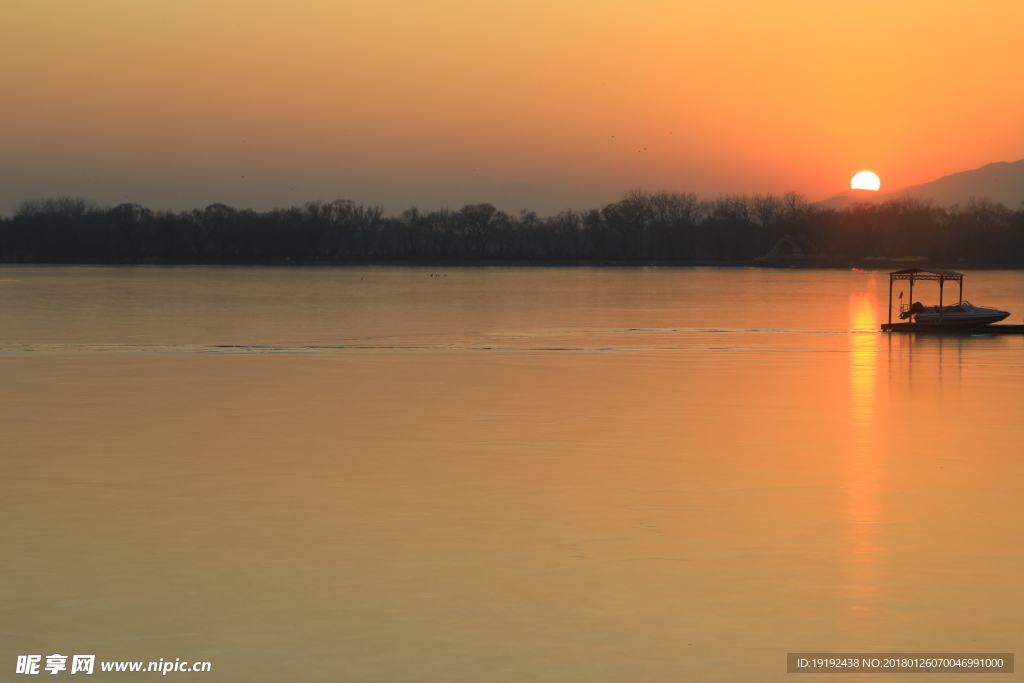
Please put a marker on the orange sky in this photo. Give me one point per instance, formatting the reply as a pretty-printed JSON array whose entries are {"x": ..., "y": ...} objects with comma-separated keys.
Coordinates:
[{"x": 177, "y": 104}]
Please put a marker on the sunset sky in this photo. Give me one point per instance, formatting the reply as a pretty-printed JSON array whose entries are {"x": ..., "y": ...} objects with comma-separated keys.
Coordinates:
[{"x": 525, "y": 104}]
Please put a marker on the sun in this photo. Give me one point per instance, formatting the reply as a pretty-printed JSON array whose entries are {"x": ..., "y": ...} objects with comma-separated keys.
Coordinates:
[{"x": 865, "y": 180}]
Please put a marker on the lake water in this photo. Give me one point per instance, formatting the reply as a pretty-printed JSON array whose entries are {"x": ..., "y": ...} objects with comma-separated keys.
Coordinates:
[{"x": 502, "y": 474}]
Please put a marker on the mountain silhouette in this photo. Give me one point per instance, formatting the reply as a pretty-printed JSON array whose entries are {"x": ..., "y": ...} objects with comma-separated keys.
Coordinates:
[
  {"x": 847, "y": 197},
  {"x": 1002, "y": 182}
]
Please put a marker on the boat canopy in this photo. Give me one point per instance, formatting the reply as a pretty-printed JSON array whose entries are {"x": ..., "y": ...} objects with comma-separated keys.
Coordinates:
[{"x": 939, "y": 274}]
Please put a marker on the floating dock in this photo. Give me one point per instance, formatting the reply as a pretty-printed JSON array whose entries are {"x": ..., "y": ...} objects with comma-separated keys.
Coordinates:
[{"x": 940, "y": 328}]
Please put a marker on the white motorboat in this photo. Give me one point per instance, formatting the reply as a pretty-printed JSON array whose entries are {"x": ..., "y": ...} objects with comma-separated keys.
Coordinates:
[
  {"x": 959, "y": 316},
  {"x": 963, "y": 313}
]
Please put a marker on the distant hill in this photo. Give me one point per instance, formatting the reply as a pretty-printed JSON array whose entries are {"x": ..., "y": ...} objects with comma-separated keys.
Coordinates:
[
  {"x": 1002, "y": 182},
  {"x": 846, "y": 198}
]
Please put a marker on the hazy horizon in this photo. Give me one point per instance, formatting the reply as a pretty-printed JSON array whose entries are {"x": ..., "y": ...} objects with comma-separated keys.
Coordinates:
[{"x": 547, "y": 201}]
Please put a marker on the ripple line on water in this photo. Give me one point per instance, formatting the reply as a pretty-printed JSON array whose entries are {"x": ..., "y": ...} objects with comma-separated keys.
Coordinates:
[{"x": 315, "y": 348}]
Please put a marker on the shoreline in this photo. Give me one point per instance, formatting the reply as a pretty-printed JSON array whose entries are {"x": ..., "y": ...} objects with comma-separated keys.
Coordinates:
[{"x": 790, "y": 264}]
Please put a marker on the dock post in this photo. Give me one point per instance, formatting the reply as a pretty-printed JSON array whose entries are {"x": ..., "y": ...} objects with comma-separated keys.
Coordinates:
[
  {"x": 890, "y": 298},
  {"x": 912, "y": 292},
  {"x": 941, "y": 282}
]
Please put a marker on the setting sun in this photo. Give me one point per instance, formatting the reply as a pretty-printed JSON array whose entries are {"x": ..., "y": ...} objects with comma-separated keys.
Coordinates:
[{"x": 865, "y": 180}]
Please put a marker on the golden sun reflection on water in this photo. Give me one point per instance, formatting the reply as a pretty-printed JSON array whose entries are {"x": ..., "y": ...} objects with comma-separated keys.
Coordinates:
[{"x": 862, "y": 478}]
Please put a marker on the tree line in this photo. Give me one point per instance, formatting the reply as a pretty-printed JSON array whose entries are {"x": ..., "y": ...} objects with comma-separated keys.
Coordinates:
[{"x": 640, "y": 228}]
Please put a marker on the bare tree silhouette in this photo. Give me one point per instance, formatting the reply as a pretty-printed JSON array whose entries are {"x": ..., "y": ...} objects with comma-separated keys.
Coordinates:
[{"x": 642, "y": 227}]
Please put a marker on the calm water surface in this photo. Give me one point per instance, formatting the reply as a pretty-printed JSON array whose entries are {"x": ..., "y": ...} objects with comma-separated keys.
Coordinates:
[{"x": 387, "y": 474}]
